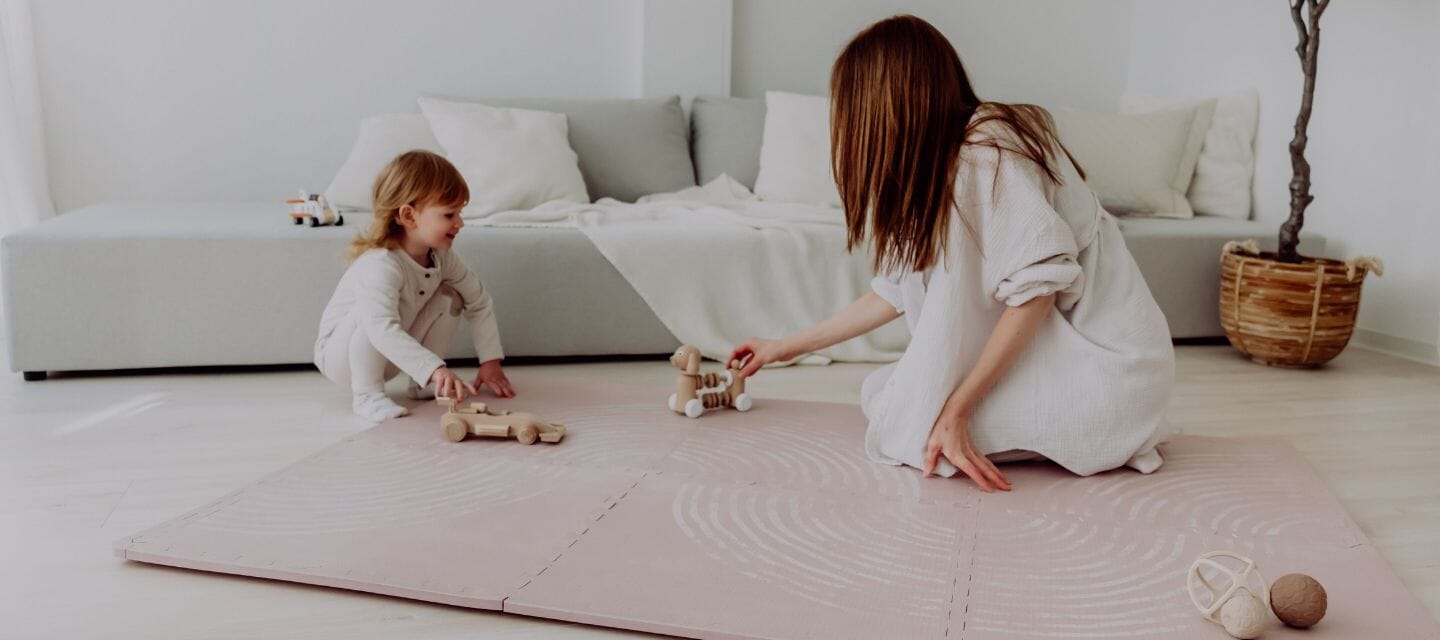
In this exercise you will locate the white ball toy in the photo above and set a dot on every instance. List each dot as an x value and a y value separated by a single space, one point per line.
1243 616
1223 587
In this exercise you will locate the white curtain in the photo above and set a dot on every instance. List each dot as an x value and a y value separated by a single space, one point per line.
24 187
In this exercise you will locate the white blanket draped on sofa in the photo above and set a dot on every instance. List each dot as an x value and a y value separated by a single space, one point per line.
716 265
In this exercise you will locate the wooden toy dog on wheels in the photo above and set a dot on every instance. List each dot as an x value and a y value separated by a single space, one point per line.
696 392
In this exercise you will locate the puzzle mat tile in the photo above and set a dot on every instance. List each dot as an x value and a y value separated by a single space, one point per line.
772 524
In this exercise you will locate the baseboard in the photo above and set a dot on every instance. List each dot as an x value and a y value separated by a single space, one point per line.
1397 346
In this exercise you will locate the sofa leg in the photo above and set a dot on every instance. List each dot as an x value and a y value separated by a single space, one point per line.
35 376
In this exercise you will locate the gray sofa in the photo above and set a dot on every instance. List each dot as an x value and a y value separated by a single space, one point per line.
128 285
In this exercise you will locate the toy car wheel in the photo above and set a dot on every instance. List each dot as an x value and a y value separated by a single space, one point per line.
299 220
694 408
671 402
455 429
314 221
339 220
743 402
528 434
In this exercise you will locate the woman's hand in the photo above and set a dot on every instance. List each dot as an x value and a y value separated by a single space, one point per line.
493 378
862 316
950 437
449 385
760 352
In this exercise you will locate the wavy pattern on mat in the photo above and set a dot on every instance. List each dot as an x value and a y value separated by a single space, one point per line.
611 436
1232 493
782 452
1047 578
825 551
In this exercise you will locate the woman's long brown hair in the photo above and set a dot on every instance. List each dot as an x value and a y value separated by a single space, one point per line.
901 107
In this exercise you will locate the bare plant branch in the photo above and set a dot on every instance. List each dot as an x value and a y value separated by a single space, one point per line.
1308 50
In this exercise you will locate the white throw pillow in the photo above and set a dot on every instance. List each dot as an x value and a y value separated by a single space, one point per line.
1139 164
1226 168
795 151
511 158
381 139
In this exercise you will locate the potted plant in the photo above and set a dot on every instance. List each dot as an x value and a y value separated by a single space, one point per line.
1282 308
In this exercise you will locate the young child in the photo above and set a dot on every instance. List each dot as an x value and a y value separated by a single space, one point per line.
398 304
1032 331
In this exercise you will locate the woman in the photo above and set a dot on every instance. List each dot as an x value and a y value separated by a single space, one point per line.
1033 333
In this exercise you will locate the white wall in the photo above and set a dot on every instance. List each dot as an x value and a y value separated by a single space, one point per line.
1051 52
1374 139
685 48
170 99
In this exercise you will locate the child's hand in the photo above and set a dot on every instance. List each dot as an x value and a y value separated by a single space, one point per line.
492 377
449 385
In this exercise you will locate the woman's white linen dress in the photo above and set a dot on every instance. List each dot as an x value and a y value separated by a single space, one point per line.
1090 390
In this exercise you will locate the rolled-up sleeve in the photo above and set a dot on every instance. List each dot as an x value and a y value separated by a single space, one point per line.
888 288
1030 251
1059 274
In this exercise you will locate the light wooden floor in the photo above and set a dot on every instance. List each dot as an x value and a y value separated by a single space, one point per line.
85 460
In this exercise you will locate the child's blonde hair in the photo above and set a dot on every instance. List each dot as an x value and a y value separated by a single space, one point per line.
417 178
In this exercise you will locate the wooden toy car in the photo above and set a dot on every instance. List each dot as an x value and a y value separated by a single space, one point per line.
480 420
315 208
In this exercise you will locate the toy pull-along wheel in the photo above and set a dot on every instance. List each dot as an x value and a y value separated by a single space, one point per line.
455 429
743 402
528 434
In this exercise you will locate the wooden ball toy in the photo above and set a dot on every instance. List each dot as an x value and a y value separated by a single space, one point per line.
1228 589
1298 600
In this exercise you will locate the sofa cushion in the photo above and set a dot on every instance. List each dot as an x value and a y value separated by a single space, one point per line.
795 151
381 138
1226 166
1138 164
627 147
725 137
511 158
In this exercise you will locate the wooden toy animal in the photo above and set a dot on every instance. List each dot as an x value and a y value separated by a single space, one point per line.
696 392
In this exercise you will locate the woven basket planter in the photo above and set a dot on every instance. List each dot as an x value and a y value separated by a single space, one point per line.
1289 315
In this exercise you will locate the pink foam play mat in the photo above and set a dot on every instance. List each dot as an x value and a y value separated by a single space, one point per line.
773 524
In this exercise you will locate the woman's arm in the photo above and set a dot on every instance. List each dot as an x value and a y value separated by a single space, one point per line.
950 436
862 316
1017 325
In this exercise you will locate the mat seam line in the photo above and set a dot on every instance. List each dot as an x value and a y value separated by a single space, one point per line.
969 577
578 536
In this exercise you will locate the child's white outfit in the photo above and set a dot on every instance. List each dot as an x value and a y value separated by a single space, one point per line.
1091 389
390 314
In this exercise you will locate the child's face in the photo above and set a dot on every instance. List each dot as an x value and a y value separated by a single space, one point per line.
433 225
